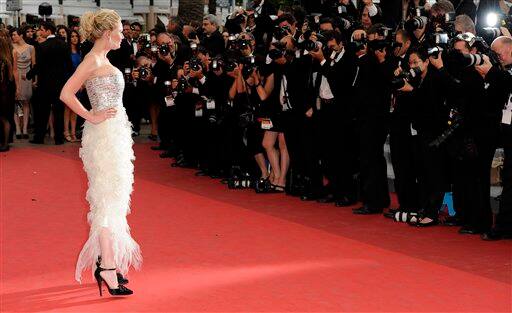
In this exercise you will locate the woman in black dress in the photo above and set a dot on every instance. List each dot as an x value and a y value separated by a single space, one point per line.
7 92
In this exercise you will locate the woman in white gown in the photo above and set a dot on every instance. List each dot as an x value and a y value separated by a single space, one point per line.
107 155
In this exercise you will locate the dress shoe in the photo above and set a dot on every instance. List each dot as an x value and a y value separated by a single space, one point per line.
428 224
202 173
166 155
308 197
18 136
364 210
327 199
59 142
467 230
344 202
494 235
4 148
36 142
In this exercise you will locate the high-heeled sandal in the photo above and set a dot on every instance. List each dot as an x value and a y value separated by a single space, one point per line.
120 279
120 291
74 139
68 138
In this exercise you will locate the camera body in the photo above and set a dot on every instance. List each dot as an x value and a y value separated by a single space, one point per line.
195 64
412 76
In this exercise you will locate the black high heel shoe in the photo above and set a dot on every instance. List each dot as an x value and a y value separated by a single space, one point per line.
120 279
121 291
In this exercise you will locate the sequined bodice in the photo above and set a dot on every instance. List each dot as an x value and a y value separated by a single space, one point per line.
105 91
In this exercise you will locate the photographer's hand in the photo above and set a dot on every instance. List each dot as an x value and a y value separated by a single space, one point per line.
484 68
437 62
407 87
358 34
309 113
317 55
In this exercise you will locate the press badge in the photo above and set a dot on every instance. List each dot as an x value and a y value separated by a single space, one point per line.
266 124
507 112
507 117
414 132
169 101
210 104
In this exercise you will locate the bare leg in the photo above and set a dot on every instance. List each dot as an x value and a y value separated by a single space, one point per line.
26 115
153 113
17 123
66 122
269 140
50 124
73 117
107 258
260 160
285 160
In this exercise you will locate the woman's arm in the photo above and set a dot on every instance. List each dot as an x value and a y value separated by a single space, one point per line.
68 93
264 91
15 71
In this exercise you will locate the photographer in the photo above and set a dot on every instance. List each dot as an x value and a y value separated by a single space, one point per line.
139 91
499 94
248 92
212 39
473 143
402 140
333 85
165 72
430 116
373 94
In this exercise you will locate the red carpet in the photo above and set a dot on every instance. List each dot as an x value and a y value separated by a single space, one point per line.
209 249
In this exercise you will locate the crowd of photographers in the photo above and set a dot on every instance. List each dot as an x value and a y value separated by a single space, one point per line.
288 101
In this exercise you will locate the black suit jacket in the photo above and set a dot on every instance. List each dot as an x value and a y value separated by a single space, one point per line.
121 58
340 77
53 66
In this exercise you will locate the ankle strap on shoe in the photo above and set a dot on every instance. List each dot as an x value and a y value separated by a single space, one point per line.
101 269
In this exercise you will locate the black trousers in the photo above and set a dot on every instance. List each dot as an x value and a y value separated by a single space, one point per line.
49 102
373 131
504 217
299 132
433 176
405 158
471 185
338 150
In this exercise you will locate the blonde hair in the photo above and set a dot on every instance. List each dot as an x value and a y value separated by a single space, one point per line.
94 24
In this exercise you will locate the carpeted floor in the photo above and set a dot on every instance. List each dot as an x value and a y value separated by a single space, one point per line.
209 249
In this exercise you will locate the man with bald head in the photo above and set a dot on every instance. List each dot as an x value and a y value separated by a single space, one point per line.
500 104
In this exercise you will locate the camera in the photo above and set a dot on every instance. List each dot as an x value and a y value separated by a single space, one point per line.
417 22
275 54
144 41
192 35
182 85
164 49
230 65
144 72
249 66
282 32
412 77
195 64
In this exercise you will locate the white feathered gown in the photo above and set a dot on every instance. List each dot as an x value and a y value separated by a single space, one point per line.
108 156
